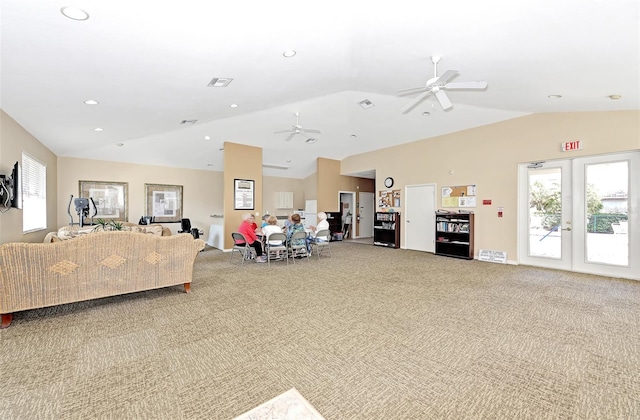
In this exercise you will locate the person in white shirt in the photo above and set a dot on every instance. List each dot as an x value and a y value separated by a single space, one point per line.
322 225
272 227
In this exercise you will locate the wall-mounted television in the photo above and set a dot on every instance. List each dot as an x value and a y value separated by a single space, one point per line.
16 191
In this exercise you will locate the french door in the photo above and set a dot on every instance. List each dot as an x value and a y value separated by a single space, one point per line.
581 214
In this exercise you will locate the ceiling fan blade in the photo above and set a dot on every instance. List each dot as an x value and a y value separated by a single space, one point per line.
290 136
411 90
466 85
284 131
311 130
444 78
443 99
415 102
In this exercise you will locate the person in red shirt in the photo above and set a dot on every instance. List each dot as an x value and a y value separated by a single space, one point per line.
248 229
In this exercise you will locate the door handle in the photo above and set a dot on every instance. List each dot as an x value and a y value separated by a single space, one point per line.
566 228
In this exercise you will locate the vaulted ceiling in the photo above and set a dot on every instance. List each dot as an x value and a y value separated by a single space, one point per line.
148 65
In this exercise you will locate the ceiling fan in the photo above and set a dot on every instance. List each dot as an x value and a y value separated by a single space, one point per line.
297 129
436 86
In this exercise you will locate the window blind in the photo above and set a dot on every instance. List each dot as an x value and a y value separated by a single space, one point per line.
34 194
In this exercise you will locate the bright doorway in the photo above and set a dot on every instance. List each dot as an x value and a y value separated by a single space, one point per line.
577 214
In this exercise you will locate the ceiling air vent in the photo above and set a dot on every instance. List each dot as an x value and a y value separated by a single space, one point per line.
366 104
219 82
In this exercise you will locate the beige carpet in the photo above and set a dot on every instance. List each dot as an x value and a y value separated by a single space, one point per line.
369 333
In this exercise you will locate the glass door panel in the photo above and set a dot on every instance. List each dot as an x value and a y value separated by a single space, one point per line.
545 210
545 214
607 213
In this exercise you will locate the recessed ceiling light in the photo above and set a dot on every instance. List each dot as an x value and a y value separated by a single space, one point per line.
426 113
312 140
555 96
288 160
615 97
120 144
289 53
209 164
207 137
233 105
353 136
219 82
74 13
366 104
98 129
221 149
91 102
183 122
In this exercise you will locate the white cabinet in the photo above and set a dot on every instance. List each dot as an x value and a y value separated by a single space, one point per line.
284 200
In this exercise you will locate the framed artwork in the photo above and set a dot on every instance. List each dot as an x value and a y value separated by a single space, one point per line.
163 202
243 194
110 198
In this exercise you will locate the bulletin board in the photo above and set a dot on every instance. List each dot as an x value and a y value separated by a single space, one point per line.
459 196
389 198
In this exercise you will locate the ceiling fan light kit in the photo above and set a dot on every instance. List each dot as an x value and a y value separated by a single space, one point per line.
436 85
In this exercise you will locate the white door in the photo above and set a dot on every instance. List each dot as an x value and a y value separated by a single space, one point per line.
367 212
419 218
581 214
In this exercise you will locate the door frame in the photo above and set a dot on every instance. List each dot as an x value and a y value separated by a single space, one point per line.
576 238
353 209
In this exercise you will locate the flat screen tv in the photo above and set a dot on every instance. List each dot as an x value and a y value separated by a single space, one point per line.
16 191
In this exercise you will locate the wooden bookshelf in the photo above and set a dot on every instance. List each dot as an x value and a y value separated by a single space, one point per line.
454 235
386 230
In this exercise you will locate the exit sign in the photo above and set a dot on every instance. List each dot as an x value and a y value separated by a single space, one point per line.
568 146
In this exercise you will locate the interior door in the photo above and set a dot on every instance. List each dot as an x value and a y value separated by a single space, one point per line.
581 214
367 211
419 221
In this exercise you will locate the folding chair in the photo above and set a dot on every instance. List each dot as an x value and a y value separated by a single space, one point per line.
241 245
273 249
321 242
298 244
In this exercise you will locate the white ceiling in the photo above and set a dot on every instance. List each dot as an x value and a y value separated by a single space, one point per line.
148 63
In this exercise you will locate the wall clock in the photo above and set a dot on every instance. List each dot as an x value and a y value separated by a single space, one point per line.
388 182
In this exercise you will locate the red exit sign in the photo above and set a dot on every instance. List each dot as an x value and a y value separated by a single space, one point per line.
568 146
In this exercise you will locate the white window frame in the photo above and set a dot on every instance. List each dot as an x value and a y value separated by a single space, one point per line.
34 194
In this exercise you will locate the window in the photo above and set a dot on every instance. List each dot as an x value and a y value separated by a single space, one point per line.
34 194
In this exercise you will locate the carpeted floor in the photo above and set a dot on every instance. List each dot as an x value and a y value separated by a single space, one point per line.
368 333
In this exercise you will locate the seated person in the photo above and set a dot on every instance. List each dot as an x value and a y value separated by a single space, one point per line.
322 224
248 230
265 221
296 226
272 227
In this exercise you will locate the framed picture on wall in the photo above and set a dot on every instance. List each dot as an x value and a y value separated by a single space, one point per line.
110 198
163 202
243 194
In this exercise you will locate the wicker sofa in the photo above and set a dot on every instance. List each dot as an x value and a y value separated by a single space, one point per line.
37 275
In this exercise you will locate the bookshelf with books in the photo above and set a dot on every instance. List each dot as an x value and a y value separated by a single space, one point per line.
386 230
454 235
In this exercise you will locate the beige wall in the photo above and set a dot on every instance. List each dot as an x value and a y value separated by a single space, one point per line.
273 185
488 156
201 190
13 141
240 162
330 183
